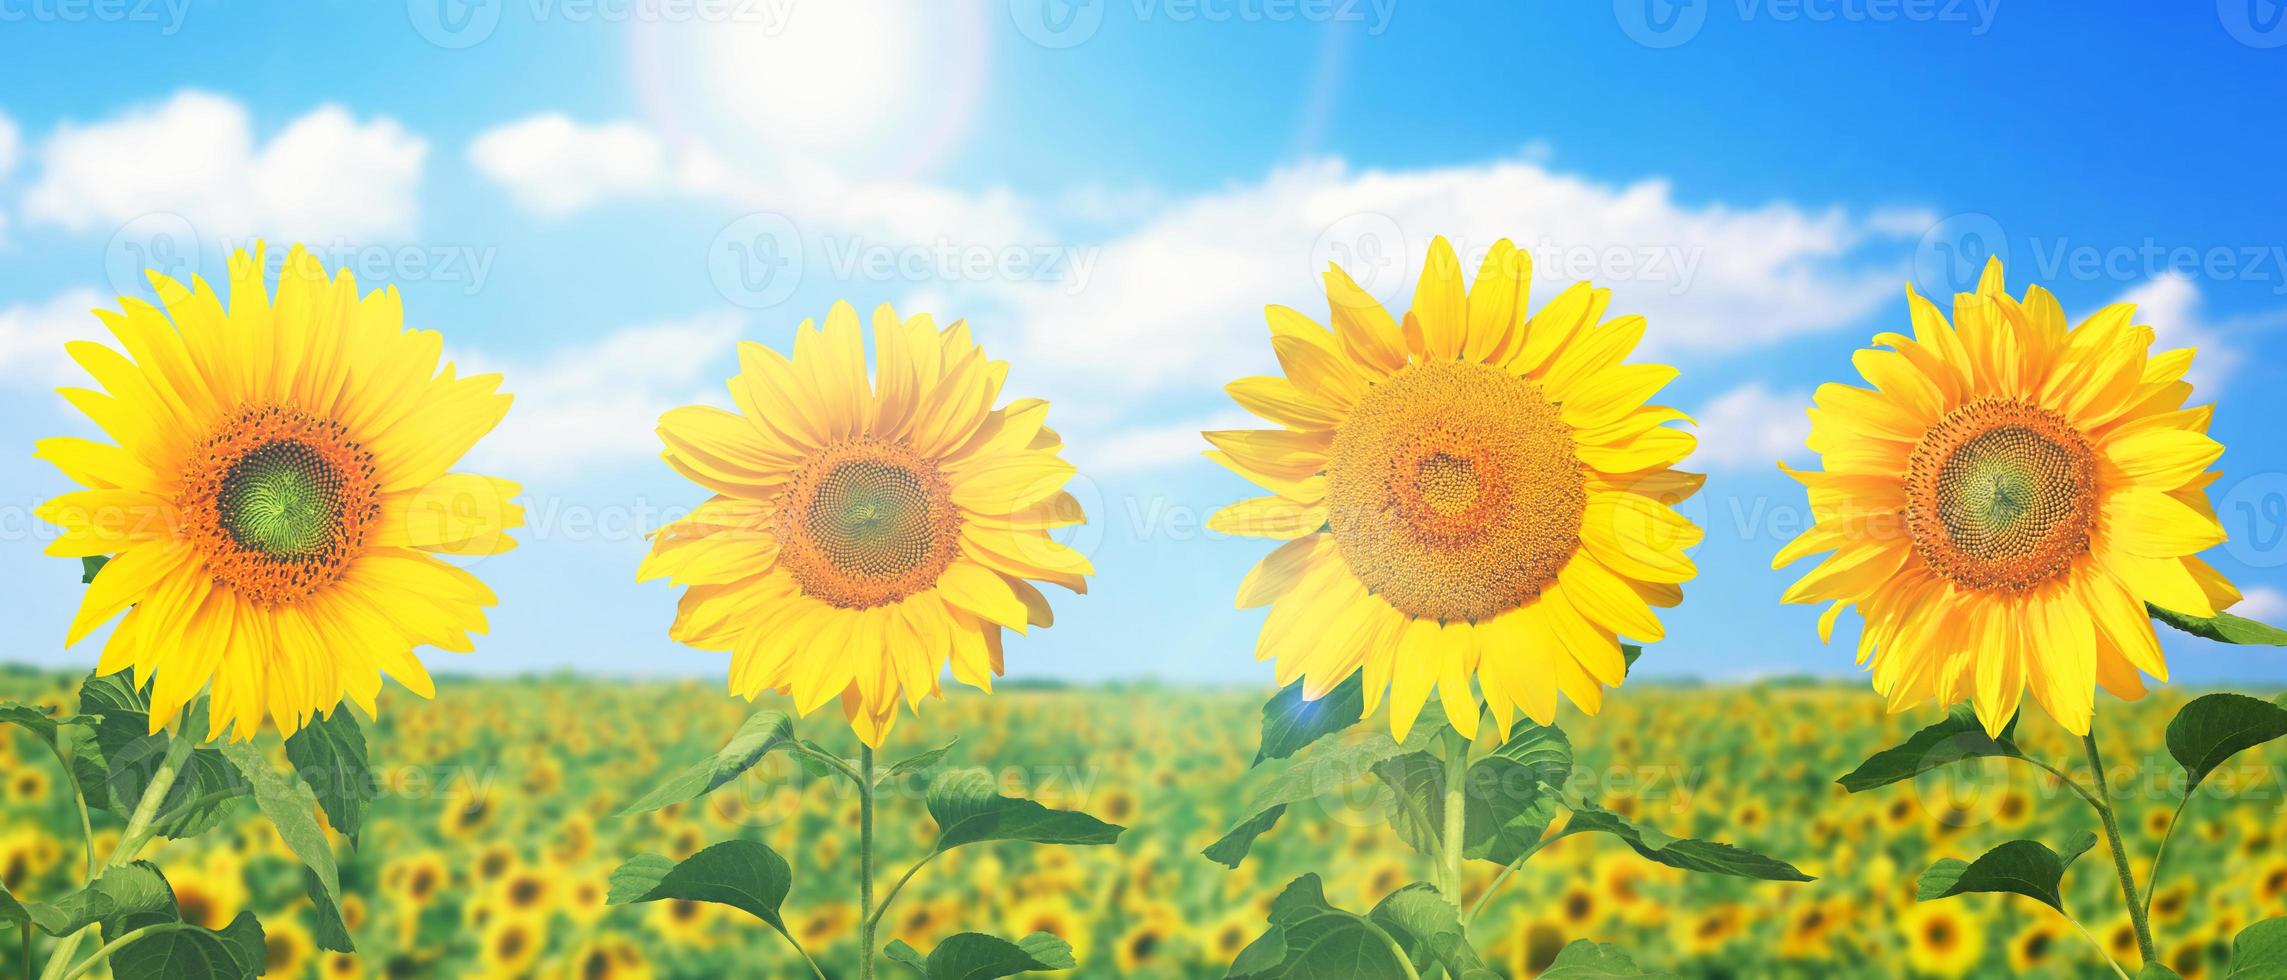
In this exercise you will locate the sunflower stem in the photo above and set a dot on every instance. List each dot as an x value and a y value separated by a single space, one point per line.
2152 886
866 921
2101 952
1456 812
131 840
2136 913
104 952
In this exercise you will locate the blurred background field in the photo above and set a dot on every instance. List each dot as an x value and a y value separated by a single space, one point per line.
488 851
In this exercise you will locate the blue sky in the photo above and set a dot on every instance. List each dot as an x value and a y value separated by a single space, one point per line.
597 197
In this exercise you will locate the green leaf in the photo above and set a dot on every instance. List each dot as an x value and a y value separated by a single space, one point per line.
817 768
89 565
2223 627
12 912
1543 750
976 956
1417 798
764 733
1509 810
1585 960
130 889
1310 939
329 755
2259 952
2019 867
1232 848
968 811
1960 737
1291 723
912 766
36 720
2215 727
237 952
1629 652
293 809
332 931
743 874
1707 857
1428 928
115 758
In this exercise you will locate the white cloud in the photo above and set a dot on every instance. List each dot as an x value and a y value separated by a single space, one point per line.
11 144
2262 603
2172 306
1752 428
599 403
32 339
1152 447
1180 299
555 166
325 177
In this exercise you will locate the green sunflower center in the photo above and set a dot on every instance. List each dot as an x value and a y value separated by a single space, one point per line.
2002 496
872 519
283 500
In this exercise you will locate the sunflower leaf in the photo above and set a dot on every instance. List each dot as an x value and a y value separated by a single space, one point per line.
2018 867
911 766
2215 727
130 889
293 809
1586 960
1417 796
1310 938
1958 738
1291 723
329 754
1689 854
39 722
332 931
115 758
12 912
1231 848
2259 951
1510 807
762 734
1428 928
976 956
237 951
968 811
743 874
2222 627
89 565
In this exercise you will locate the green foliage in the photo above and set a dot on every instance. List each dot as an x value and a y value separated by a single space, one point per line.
1958 738
2215 727
743 874
128 890
968 811
2019 867
41 724
915 765
1310 939
1707 857
1291 723
1585 960
763 733
2223 627
293 809
1428 928
976 956
114 760
329 755
2259 952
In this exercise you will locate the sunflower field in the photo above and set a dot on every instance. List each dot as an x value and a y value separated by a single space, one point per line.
493 835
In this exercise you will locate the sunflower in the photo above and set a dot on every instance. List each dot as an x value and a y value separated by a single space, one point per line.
1942 941
2005 500
2035 947
287 949
1471 493
864 533
275 496
511 945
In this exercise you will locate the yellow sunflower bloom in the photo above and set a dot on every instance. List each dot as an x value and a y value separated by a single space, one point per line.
275 495
1471 493
2003 502
863 535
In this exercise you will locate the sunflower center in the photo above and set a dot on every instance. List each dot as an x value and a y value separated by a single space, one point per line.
1453 491
868 522
2001 496
278 502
